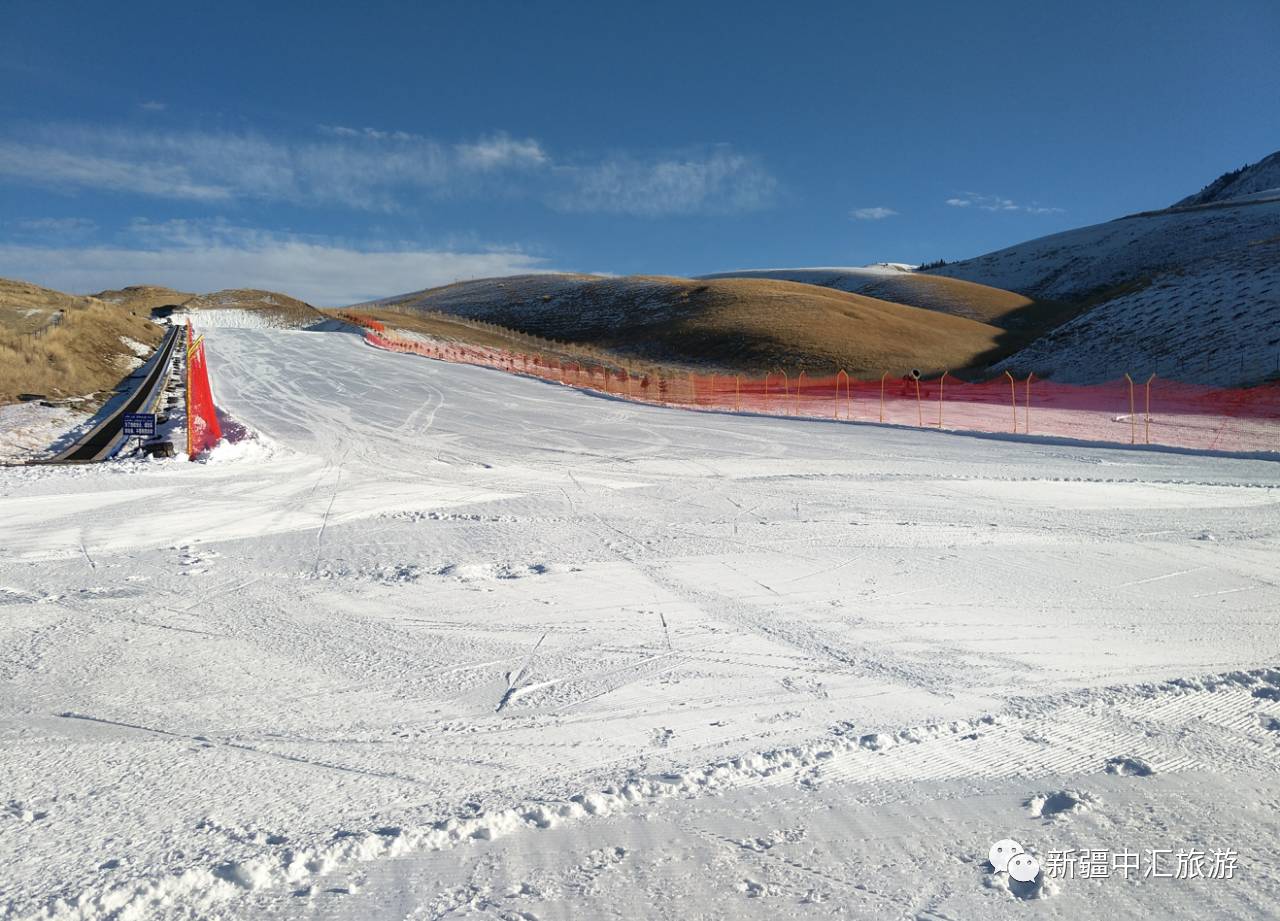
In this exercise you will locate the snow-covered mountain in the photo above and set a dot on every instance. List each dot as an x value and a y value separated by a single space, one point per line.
1191 292
1259 179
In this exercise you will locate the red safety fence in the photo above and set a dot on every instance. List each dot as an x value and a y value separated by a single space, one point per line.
360 319
203 430
1148 411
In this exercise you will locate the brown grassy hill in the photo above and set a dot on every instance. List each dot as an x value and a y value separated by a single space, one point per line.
734 324
251 307
26 308
63 345
1008 310
445 327
144 297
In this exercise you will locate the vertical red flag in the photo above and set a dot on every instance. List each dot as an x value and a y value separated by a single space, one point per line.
203 431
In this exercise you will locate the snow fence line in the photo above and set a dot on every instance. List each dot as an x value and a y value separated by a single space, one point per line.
1127 411
203 429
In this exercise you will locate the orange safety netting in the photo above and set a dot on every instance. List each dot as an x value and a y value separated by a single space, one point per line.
1151 411
203 429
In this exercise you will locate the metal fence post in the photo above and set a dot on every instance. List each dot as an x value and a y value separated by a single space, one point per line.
1028 419
1148 409
1133 421
1013 392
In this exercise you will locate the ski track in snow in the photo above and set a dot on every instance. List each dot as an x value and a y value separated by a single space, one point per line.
442 642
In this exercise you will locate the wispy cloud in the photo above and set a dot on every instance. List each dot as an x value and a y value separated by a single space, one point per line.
78 169
721 182
374 134
872 214
207 256
153 105
378 170
997 203
500 151
55 226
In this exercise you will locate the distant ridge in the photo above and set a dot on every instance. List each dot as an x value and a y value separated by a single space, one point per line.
746 324
1247 181
1190 292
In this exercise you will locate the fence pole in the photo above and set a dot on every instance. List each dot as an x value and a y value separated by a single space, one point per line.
841 374
1133 422
799 381
1013 392
1148 411
786 387
737 393
766 393
1028 420
919 406
882 377
942 383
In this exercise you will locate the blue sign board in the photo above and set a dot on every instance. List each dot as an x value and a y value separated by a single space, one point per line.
139 425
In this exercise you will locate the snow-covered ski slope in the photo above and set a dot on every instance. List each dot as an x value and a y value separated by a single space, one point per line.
443 642
1192 294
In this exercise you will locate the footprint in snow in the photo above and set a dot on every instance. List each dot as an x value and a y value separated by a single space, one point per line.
24 813
1059 804
1129 766
661 737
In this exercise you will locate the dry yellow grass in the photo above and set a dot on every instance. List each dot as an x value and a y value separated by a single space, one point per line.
445 328
76 348
756 324
751 325
144 297
26 308
1023 317
948 295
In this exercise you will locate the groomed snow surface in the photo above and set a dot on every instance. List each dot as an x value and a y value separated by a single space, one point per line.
433 641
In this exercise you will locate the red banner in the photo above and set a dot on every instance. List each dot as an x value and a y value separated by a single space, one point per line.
203 431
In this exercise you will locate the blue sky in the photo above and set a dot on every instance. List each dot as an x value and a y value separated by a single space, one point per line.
346 151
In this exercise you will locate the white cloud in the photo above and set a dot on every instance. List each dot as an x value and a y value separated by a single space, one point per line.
997 203
152 105
717 183
194 256
51 166
501 151
872 214
370 133
56 226
376 170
